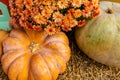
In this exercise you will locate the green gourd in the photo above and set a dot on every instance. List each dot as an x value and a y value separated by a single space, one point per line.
100 37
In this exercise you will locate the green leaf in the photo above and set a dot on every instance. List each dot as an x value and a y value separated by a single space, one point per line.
4 18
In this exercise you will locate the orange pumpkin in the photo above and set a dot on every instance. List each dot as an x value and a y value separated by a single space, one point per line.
30 55
3 35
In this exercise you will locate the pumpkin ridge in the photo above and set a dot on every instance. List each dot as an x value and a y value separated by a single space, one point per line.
23 71
30 74
59 38
11 65
17 77
44 38
33 75
59 65
54 41
44 63
29 71
47 66
66 60
33 36
5 44
52 60
59 53
63 56
10 51
55 51
16 32
16 38
25 67
29 67
4 57
14 61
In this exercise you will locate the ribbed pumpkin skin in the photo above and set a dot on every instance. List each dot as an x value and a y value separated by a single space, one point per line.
100 37
23 59
3 35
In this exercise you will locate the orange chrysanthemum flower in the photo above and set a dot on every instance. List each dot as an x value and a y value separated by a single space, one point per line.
52 15
50 30
71 11
46 2
66 28
28 3
86 13
57 16
65 23
47 12
77 13
77 3
96 11
13 12
81 23
73 23
38 28
39 19
62 3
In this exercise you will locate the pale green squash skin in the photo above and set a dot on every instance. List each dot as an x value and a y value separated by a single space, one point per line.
100 37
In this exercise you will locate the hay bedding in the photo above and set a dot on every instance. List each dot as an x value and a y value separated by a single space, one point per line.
80 67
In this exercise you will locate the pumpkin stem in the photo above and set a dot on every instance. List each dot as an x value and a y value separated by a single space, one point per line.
109 11
34 46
